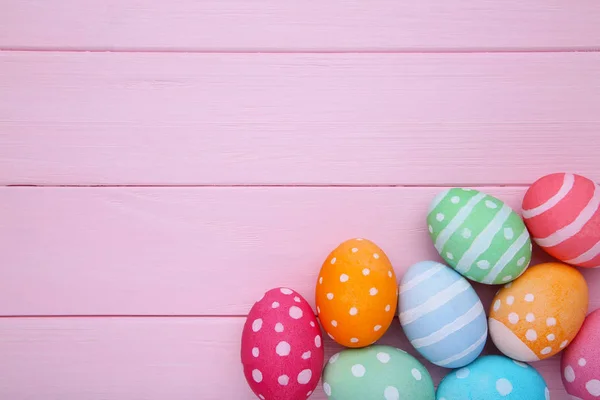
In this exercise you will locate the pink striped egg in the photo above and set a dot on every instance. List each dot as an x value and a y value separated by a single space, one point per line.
580 362
562 213
282 347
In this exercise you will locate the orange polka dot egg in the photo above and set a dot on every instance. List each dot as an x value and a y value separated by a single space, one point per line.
540 313
356 293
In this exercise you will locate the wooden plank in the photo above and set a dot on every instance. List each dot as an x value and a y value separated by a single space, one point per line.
195 251
150 359
273 119
270 25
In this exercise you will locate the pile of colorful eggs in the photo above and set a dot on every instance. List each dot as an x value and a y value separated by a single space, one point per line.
539 310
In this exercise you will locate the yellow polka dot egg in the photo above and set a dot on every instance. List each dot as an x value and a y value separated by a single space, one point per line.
540 313
356 293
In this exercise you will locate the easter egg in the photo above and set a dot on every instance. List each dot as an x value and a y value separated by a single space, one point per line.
356 293
539 314
562 213
494 377
441 314
580 361
282 347
479 235
376 373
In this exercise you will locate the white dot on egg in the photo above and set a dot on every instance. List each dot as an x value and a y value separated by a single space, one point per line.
507 278
306 355
353 311
551 321
449 255
297 299
463 373
430 229
440 217
318 341
531 335
376 256
582 362
334 323
344 278
483 264
320 280
333 260
521 261
383 357
376 328
455 199
255 352
387 308
416 374
529 297
510 300
327 388
257 324
569 374
334 358
330 296
564 344
312 324
490 204
257 376
551 337
497 305
295 312
283 348
366 271
358 370
391 393
373 291
530 317
508 233
466 233
304 376
513 318
279 327
504 387
354 340
286 291
593 387
283 380
546 350
354 250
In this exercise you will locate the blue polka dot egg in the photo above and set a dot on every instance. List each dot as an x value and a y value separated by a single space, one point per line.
494 377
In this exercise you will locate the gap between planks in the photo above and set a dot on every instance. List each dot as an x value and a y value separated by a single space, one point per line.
300 51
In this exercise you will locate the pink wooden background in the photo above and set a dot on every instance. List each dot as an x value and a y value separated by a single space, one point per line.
163 163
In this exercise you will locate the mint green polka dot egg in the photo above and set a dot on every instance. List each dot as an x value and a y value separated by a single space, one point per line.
376 372
479 236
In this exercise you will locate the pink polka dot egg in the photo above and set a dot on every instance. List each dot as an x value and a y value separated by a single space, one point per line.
580 362
282 347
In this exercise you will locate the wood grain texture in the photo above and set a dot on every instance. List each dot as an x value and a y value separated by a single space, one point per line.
320 119
151 359
293 25
195 251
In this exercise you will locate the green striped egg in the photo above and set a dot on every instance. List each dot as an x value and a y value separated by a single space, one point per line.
479 236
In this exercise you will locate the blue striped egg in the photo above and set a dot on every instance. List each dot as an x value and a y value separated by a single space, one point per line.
441 314
494 377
